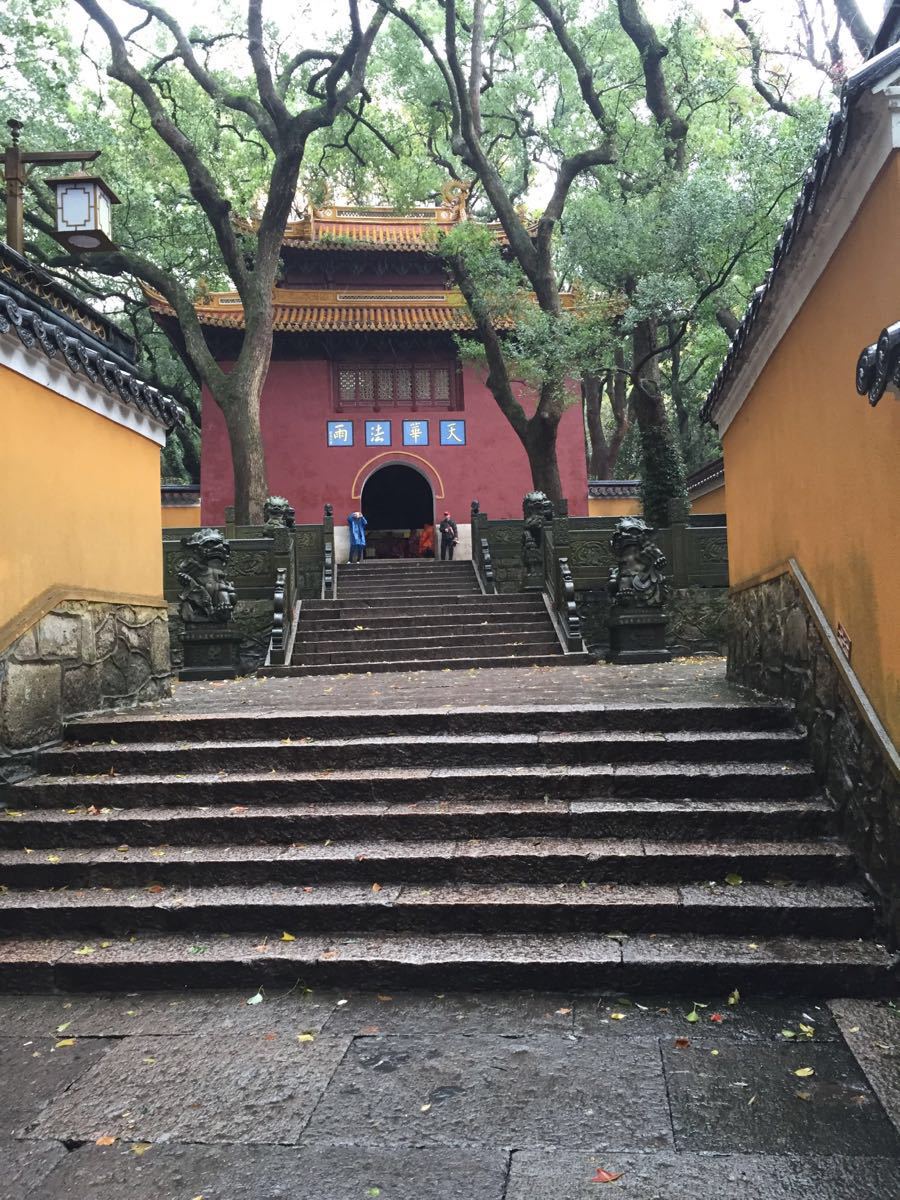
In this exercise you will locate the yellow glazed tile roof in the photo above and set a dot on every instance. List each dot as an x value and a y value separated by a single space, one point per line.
310 311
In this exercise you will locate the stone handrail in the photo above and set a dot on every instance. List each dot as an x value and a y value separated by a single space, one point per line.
559 586
329 571
481 552
284 594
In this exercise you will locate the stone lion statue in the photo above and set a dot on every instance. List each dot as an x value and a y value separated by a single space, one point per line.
536 509
278 513
637 580
207 596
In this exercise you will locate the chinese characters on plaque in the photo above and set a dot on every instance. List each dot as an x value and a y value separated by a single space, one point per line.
453 433
340 433
378 433
415 433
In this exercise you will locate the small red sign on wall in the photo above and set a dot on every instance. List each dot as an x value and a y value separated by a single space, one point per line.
844 642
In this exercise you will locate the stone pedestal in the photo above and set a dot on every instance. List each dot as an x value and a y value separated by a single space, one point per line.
637 635
210 653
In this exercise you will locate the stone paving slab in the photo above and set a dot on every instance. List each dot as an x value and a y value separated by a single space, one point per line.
231 1089
24 1166
700 680
424 1014
423 1096
569 1176
750 1100
666 1018
180 1172
166 1013
33 1071
494 1091
871 1029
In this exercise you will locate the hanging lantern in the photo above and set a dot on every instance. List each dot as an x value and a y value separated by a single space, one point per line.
83 212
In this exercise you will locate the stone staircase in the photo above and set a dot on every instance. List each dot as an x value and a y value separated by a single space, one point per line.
670 847
420 614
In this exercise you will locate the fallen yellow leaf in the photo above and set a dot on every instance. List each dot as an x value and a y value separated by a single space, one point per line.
805 1072
141 1147
64 1042
617 1016
306 1037
288 937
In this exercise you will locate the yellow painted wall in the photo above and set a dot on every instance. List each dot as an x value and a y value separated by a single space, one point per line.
604 506
813 471
711 503
80 502
180 516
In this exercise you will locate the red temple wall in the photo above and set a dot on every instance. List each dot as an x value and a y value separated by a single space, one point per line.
296 406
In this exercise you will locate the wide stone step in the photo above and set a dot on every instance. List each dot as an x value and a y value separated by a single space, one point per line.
336 753
660 717
411 590
693 964
489 860
674 820
377 665
323 625
445 654
378 639
460 604
403 566
660 780
754 909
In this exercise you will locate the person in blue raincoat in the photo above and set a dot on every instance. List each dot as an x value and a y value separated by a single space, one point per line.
357 523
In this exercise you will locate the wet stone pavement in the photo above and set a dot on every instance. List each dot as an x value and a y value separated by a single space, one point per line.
416 1096
700 680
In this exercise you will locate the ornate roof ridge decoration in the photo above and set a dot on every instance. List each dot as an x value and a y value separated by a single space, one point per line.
613 489
387 310
878 367
831 148
715 469
381 227
33 331
34 281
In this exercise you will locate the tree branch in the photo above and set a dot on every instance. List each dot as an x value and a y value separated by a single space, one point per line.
198 72
652 52
203 186
768 94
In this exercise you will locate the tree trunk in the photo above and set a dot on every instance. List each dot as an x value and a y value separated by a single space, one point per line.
682 416
617 389
540 446
592 395
248 460
662 478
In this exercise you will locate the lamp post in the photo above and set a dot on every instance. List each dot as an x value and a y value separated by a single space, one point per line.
82 201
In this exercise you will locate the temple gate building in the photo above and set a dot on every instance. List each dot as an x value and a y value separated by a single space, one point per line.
368 404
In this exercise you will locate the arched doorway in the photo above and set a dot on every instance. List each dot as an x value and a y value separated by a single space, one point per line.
396 501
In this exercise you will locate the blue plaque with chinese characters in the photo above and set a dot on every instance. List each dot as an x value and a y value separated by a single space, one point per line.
415 433
340 433
378 433
453 433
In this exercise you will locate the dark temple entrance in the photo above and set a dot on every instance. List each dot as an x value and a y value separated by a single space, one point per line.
397 502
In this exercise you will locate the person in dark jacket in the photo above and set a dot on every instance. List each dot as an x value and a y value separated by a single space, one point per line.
449 536
357 523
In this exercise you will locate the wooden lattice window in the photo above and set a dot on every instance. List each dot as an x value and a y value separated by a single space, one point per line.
416 388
